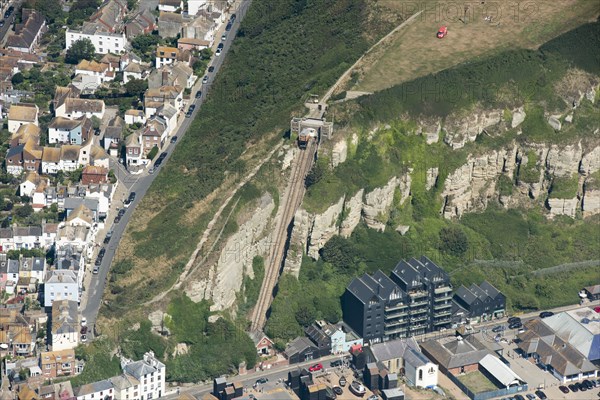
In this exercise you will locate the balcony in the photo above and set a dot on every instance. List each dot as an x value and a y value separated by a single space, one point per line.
443 314
442 289
418 303
441 306
395 330
417 294
396 307
414 328
395 322
441 321
443 297
396 314
417 319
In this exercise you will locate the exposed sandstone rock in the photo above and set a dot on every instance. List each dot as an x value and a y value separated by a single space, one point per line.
566 207
590 162
563 160
235 259
432 176
324 226
555 123
289 155
591 203
378 202
298 242
352 213
339 153
402 229
518 116
460 130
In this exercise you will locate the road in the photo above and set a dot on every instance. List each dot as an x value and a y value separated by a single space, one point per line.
8 22
276 376
140 184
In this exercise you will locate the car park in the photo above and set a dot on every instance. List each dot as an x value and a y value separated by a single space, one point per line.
316 367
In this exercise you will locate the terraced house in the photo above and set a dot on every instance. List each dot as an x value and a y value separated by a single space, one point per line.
414 299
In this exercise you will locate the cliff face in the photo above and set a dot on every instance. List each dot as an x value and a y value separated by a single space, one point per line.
224 279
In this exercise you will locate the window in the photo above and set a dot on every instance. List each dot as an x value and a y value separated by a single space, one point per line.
420 374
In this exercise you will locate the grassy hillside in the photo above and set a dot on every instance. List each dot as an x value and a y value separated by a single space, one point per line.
514 25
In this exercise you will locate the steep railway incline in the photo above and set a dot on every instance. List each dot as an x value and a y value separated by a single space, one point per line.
291 201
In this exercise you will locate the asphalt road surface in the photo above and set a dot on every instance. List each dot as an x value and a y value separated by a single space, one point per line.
140 184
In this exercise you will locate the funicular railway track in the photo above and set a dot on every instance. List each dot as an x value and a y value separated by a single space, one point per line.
292 199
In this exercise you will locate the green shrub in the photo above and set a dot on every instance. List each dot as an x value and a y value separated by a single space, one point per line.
152 153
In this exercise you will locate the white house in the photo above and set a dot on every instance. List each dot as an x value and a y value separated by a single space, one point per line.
170 5
69 131
51 160
135 116
195 5
22 114
69 157
95 391
133 71
65 325
419 371
30 182
140 380
74 108
104 42
166 55
61 285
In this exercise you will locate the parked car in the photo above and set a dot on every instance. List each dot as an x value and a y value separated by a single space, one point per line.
336 363
107 237
342 381
151 170
96 270
563 389
173 139
373 397
163 155
581 387
224 36
515 325
498 328
513 320
98 262
1 23
199 94
519 397
541 395
228 27
220 46
442 32
316 367
573 388
260 381
211 69
588 384
102 252
117 219
232 18
205 79
338 390
530 396
218 52
546 314
121 212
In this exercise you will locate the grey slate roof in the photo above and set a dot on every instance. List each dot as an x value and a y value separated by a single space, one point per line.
415 358
489 289
392 349
453 353
94 387
466 295
298 345
139 369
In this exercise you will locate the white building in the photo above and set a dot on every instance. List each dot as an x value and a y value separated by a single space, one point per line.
104 42
195 5
74 108
95 391
22 114
140 380
135 116
419 371
65 325
61 285
170 5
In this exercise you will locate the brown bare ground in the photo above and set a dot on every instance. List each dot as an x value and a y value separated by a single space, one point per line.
415 51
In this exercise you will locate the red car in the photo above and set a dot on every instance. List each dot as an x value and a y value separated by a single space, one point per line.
442 32
597 309
316 367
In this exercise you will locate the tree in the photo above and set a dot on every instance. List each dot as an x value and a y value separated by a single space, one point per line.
17 78
144 44
25 211
136 87
339 252
453 241
82 49
314 175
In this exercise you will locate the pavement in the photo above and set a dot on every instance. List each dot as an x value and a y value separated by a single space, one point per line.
96 284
